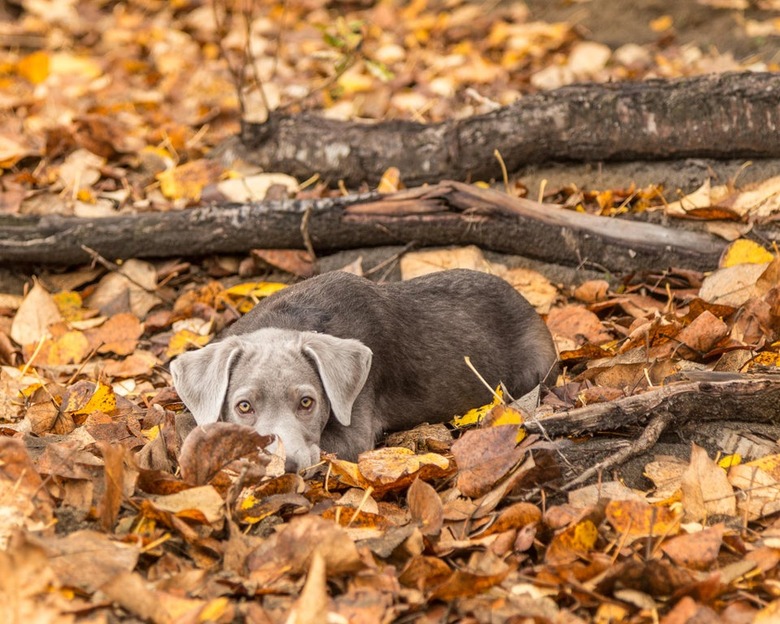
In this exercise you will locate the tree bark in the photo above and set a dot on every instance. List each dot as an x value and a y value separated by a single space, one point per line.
733 115
450 213
719 397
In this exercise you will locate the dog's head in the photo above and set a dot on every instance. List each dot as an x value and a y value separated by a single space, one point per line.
282 382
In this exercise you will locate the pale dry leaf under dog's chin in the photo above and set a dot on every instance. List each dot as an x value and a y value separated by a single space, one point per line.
210 448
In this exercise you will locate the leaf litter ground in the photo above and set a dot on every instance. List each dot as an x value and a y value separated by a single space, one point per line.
108 511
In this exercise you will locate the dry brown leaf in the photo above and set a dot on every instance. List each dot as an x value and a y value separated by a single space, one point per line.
697 551
26 584
111 500
694 340
425 507
208 449
129 590
204 499
484 456
705 489
417 263
33 318
634 519
87 560
534 286
24 502
294 261
578 324
294 545
137 364
592 291
118 335
312 605
394 468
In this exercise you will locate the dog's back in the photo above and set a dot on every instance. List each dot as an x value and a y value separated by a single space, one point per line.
419 331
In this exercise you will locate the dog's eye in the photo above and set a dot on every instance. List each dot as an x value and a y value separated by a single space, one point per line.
244 407
307 403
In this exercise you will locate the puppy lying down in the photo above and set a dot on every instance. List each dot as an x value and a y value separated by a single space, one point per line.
335 361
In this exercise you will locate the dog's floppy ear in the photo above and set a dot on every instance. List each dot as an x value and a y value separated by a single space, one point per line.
201 379
343 365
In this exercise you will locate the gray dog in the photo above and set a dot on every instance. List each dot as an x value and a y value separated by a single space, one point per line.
335 361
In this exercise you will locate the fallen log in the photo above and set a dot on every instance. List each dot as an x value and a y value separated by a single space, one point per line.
450 213
733 115
717 397
700 407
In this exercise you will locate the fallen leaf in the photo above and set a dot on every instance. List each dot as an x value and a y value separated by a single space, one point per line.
311 607
578 324
390 181
634 519
484 456
393 468
244 296
87 560
705 489
187 181
293 547
744 251
84 397
732 286
33 318
696 551
255 187
24 502
204 499
417 263
209 448
294 261
119 334
425 507
572 543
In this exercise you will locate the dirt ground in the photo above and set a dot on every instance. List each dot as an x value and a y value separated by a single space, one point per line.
619 23
615 23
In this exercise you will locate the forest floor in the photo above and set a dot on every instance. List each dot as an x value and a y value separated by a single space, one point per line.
113 109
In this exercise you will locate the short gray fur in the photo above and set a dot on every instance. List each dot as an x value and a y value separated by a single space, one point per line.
374 358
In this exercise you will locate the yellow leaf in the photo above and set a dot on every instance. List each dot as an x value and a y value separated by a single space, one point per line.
730 460
475 415
744 251
34 67
391 181
353 81
83 399
763 360
245 296
505 415
661 24
70 348
184 339
214 610
348 473
770 464
69 304
65 63
573 543
151 433
187 181
86 196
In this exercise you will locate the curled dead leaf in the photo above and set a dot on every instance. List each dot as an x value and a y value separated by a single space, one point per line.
208 449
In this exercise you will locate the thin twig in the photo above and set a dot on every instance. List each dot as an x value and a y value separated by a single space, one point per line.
645 441
482 379
306 235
